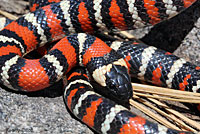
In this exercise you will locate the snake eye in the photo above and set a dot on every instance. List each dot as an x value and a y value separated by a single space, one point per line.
111 85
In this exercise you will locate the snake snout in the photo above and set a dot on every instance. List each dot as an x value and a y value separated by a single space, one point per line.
119 83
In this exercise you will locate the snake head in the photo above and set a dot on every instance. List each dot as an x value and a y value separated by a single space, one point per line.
115 80
119 83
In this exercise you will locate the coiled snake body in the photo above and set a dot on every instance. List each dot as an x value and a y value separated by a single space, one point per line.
109 64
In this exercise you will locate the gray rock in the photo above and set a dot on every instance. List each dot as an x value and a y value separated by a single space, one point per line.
190 47
23 114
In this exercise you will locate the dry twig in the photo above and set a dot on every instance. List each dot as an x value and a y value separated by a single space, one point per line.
152 93
8 15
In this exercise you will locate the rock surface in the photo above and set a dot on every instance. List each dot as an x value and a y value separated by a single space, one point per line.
23 114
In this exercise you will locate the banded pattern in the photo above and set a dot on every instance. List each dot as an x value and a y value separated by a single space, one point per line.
4 22
102 114
108 67
143 12
54 21
158 66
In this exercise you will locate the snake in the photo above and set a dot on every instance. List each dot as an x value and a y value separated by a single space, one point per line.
111 64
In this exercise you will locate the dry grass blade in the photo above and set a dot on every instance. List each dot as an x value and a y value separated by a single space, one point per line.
153 115
168 94
127 35
190 100
174 118
8 15
184 118
165 93
152 93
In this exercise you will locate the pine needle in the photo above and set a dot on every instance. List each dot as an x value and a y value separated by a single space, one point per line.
8 15
165 93
156 94
153 115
